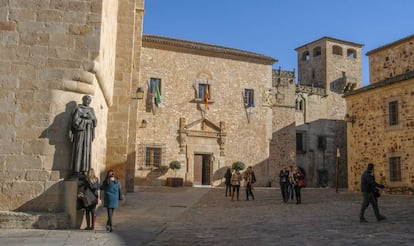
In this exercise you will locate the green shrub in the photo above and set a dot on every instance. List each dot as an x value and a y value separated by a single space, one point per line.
238 165
175 165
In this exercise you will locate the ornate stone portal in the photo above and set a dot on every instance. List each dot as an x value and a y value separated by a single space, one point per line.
208 130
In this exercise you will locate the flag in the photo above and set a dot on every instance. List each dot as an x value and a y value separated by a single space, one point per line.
157 96
206 96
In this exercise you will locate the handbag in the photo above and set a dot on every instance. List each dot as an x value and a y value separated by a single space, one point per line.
87 196
302 183
377 193
121 197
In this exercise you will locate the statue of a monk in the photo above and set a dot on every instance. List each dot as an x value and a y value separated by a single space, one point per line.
82 134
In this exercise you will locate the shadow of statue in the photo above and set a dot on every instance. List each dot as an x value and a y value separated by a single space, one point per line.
58 135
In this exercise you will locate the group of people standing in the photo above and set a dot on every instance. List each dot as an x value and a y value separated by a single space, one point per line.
111 188
291 182
235 179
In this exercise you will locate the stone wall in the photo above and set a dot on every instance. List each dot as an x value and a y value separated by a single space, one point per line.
123 114
371 139
51 55
283 143
391 60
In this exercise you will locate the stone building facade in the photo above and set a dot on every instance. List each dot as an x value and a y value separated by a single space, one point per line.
381 119
176 122
52 54
327 68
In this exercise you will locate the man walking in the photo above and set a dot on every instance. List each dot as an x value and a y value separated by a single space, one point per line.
368 186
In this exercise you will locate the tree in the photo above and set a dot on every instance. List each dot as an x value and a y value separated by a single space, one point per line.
175 165
238 165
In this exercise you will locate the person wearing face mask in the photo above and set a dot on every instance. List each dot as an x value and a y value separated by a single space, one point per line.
112 194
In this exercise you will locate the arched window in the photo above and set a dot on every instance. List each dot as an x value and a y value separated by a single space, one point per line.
305 56
337 50
299 104
317 51
351 53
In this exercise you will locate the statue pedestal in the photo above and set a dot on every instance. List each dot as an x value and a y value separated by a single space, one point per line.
71 203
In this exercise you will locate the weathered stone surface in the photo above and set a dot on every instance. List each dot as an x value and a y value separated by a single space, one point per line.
391 60
20 220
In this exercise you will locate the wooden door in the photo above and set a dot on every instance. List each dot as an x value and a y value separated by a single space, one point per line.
206 170
198 166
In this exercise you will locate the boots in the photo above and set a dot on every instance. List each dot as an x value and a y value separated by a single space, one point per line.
88 220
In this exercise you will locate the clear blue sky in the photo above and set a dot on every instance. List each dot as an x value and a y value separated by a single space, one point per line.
276 27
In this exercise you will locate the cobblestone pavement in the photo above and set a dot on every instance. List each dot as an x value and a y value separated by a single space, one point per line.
204 216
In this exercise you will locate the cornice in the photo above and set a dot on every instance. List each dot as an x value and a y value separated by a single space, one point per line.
159 42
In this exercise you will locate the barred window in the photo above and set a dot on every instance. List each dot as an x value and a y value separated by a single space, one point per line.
203 90
153 156
248 98
393 113
154 85
395 169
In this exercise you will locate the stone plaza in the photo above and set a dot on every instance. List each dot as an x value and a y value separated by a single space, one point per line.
204 216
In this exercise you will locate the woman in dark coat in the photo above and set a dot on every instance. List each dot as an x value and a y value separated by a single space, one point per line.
112 194
91 182
299 178
227 176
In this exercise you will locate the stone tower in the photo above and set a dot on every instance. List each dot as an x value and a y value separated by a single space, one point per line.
327 68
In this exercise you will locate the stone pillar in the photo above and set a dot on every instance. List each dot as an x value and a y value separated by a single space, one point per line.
71 203
122 120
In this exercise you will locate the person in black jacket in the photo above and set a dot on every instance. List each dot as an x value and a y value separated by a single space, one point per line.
227 176
284 182
368 187
91 182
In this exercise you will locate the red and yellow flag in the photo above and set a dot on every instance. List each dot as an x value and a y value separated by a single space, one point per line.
206 96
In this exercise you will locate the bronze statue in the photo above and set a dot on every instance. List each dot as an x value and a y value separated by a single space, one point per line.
82 134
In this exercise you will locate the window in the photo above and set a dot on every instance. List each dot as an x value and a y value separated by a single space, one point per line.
248 98
337 50
351 53
321 143
154 84
395 169
203 89
393 113
299 104
300 141
305 56
317 51
153 156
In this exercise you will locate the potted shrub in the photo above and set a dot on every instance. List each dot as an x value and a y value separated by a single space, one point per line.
175 182
238 165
